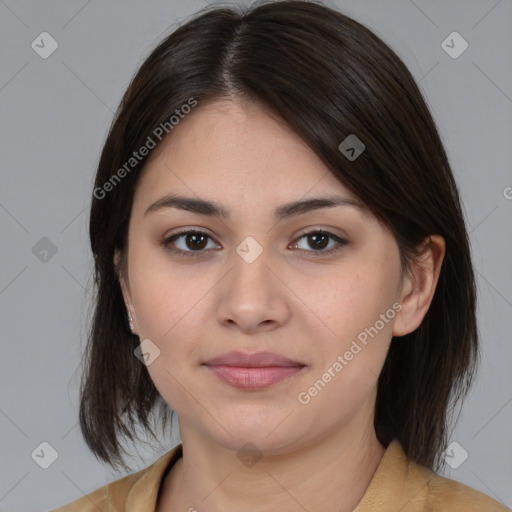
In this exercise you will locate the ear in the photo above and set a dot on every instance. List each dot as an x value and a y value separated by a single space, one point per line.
125 288
419 285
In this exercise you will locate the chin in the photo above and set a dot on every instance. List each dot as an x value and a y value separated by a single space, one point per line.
267 434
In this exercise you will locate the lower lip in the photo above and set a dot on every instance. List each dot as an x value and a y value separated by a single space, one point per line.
254 378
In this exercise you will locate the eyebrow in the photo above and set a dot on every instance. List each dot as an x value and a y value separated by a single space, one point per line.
211 208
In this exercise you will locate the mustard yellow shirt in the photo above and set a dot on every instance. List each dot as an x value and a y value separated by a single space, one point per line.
398 485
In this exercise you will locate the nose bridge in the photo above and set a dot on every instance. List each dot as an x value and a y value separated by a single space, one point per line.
251 261
251 295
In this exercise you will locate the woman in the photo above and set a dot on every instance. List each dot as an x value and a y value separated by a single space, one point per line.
275 214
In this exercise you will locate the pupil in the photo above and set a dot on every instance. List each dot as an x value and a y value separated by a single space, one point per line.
316 236
195 238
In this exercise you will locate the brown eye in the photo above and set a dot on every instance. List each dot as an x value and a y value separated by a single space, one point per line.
319 240
191 242
194 243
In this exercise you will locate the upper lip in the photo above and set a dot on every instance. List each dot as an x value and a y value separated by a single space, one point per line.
252 360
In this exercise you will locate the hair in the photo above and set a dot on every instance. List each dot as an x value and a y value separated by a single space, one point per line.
326 76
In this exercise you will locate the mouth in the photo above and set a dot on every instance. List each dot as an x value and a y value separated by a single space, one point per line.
253 371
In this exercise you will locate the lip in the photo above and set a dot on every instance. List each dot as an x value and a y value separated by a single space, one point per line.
252 360
253 371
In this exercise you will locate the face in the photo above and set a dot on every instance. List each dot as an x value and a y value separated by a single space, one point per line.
318 286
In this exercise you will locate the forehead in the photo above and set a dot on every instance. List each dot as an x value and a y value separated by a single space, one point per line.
236 150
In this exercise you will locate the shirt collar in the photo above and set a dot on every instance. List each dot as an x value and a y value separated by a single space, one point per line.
143 495
387 484
386 491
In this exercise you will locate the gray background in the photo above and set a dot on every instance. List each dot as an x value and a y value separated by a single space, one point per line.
55 114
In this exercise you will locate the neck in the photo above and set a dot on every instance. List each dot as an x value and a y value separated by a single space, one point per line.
331 474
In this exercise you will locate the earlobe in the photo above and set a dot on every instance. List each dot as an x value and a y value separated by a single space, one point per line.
420 285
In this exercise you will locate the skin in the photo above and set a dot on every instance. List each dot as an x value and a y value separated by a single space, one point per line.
291 300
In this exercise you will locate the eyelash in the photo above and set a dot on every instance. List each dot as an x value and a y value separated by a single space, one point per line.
340 242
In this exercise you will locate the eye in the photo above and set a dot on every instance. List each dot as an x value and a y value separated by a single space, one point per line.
190 239
318 240
193 242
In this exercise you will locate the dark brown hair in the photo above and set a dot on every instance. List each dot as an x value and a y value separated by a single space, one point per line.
327 76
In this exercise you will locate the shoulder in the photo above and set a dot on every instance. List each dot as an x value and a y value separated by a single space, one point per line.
400 484
138 491
447 495
112 495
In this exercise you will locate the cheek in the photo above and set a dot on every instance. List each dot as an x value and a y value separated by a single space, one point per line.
170 313
170 307
357 315
164 294
352 300
351 353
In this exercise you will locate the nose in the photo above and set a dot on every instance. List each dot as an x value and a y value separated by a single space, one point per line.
252 298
